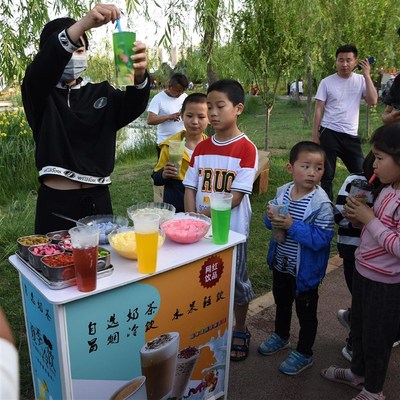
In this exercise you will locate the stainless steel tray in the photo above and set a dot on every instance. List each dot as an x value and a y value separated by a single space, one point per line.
101 273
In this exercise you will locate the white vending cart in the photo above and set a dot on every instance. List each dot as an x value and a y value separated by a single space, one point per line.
159 336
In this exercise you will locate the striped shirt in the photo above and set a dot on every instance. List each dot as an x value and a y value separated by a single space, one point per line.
286 252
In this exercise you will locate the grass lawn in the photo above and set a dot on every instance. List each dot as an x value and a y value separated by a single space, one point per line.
132 184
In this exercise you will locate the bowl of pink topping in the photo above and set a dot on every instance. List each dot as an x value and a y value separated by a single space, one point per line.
37 252
186 228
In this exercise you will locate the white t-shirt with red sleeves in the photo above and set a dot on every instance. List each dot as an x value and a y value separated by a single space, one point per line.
223 167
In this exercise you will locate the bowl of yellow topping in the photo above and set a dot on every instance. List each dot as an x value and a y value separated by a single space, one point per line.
123 241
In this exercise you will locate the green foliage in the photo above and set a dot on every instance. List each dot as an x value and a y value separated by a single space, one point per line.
101 65
17 167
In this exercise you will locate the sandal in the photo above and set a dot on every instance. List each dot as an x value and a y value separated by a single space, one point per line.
243 348
336 374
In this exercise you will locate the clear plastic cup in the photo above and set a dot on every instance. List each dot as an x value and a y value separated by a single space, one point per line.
176 148
221 205
85 242
362 191
146 232
123 43
278 234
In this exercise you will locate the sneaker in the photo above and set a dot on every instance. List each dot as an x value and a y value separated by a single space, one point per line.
295 363
347 353
365 395
272 345
344 318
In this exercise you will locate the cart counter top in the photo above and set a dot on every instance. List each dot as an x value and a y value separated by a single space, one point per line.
171 255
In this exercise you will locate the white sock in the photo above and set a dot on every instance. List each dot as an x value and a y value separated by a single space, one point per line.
351 376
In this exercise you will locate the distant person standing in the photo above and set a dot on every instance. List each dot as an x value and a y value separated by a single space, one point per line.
165 108
337 109
392 102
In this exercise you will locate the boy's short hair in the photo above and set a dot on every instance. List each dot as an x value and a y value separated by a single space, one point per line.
58 25
178 79
233 90
347 48
193 98
305 146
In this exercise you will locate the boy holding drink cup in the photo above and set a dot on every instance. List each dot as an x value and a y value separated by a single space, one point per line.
299 262
227 162
169 172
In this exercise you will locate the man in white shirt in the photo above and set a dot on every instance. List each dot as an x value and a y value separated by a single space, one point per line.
337 107
164 109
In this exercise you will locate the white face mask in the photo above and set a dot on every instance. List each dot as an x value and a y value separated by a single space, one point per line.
74 68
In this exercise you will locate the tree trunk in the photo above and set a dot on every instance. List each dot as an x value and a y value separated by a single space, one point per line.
307 115
267 118
210 26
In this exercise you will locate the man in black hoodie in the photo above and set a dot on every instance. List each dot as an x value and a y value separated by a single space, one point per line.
74 123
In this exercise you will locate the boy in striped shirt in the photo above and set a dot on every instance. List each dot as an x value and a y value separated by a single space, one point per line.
299 263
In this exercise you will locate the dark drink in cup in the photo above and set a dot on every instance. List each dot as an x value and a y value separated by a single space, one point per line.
85 260
362 191
187 359
84 242
158 359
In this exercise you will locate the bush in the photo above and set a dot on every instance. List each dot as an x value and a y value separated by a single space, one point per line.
17 165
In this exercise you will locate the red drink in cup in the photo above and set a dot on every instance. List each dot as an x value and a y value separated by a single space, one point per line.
85 241
85 260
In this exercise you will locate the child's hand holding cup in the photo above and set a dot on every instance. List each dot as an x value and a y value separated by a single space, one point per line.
274 211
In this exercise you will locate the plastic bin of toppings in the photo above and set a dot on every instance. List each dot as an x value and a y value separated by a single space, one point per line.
105 224
123 241
186 227
37 252
58 267
24 242
66 245
164 210
56 236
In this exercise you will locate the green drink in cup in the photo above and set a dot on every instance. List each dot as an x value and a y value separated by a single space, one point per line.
176 148
123 43
221 204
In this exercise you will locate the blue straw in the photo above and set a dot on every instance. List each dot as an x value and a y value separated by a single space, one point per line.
118 25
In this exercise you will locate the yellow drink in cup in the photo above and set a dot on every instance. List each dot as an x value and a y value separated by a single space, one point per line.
146 232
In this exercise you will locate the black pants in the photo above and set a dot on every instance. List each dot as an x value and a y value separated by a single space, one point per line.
375 322
344 146
284 290
76 204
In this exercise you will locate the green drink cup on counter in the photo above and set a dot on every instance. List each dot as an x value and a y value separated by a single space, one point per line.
123 43
221 204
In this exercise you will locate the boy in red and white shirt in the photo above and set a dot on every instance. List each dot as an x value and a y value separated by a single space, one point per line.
227 162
